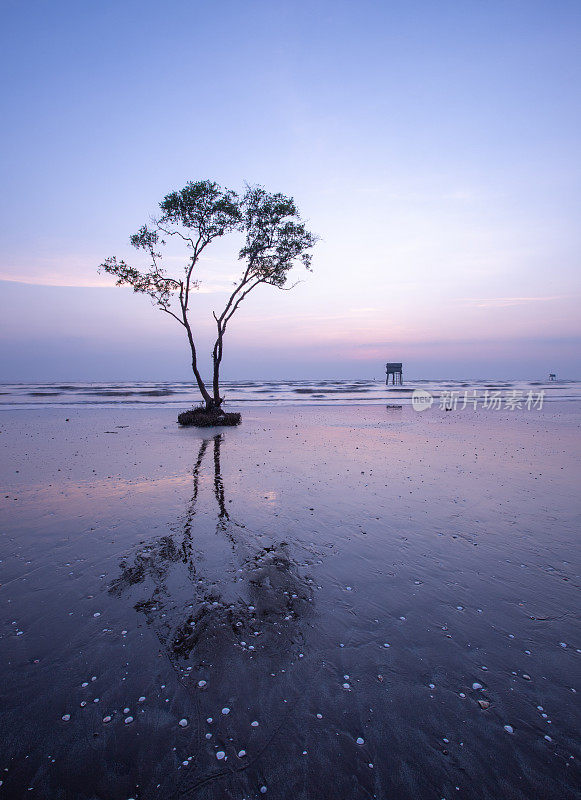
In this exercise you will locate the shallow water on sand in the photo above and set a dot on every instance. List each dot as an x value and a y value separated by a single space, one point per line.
354 580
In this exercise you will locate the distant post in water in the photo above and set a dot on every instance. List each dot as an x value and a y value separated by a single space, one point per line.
395 370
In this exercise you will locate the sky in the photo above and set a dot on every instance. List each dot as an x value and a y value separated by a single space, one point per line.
433 146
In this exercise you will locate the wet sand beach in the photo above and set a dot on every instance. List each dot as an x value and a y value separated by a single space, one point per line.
326 602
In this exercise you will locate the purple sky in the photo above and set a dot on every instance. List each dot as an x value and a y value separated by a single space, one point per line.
433 146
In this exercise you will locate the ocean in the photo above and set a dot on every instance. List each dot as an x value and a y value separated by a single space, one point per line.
184 394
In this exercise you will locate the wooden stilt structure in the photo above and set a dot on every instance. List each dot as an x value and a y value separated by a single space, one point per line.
396 372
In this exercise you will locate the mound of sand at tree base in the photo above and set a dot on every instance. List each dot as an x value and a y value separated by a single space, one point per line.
202 418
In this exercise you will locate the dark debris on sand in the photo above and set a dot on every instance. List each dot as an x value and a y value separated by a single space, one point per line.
204 418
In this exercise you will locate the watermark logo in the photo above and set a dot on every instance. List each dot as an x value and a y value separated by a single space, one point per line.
489 401
421 400
492 401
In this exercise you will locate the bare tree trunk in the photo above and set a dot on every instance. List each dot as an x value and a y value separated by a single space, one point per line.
217 358
201 386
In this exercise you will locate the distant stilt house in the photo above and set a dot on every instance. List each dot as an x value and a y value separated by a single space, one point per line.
396 372
552 376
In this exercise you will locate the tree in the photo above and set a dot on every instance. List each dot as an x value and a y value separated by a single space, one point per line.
275 240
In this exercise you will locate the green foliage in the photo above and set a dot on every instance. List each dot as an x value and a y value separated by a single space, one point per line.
275 236
204 207
153 283
197 214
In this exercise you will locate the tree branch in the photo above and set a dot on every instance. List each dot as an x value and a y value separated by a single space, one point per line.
175 316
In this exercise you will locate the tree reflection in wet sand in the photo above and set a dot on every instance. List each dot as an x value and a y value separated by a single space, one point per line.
228 610
203 601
